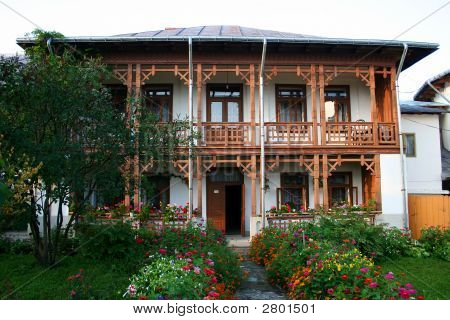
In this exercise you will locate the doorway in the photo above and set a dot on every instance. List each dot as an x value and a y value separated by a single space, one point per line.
233 207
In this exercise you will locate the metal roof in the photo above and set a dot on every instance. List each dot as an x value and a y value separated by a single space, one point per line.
420 107
232 33
432 79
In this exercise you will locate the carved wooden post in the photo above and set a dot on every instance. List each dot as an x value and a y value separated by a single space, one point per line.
313 104
199 184
136 174
316 176
322 105
325 181
394 104
253 177
252 103
127 172
199 130
373 105
377 181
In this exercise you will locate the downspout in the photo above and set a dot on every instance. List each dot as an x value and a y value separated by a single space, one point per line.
262 135
190 109
49 46
402 155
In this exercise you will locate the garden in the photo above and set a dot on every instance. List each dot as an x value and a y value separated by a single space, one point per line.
347 258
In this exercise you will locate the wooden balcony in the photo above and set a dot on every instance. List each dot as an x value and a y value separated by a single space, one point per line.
284 134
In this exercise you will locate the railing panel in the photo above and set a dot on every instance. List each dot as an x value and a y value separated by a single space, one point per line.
387 133
280 133
231 133
349 133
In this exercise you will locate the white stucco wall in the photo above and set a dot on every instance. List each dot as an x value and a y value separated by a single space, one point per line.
424 170
391 190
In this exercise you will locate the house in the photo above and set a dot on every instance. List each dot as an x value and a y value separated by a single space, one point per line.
328 108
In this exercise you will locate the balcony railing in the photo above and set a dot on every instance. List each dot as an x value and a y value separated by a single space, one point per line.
284 134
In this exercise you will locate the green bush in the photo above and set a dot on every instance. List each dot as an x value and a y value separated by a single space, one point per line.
436 241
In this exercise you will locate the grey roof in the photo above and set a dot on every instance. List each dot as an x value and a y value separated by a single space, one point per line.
232 33
423 107
445 160
432 79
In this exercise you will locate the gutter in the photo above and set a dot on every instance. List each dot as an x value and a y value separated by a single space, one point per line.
262 136
400 135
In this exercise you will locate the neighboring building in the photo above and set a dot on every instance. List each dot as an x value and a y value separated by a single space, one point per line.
422 145
426 93
330 112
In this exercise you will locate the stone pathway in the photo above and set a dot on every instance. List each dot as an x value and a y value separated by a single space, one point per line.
255 286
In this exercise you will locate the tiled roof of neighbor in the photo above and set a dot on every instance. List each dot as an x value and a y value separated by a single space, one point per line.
423 107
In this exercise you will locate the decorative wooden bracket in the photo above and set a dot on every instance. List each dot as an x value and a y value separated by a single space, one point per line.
182 166
306 75
208 164
121 75
245 75
334 163
307 163
364 75
245 165
208 74
183 74
146 167
147 73
273 163
271 74
369 164
330 75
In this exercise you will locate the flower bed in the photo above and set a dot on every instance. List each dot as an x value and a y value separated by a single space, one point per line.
189 263
333 259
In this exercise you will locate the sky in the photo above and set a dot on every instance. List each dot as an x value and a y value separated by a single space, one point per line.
369 19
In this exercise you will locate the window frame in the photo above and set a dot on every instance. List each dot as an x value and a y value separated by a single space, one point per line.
346 100
163 87
304 188
225 101
279 99
348 186
413 135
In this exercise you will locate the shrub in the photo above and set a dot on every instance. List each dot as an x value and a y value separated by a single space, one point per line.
346 275
436 241
265 244
80 290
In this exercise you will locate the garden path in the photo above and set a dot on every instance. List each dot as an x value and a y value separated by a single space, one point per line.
255 286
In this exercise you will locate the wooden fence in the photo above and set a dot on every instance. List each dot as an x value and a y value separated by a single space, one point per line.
428 210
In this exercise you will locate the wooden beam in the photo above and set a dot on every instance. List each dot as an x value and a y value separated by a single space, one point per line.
394 103
127 124
377 181
199 96
373 105
253 177
316 175
313 103
252 103
322 105
325 182
199 184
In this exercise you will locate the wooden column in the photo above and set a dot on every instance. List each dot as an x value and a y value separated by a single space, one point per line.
252 103
377 181
136 171
394 104
199 96
199 184
127 172
323 128
325 181
316 176
253 177
373 105
313 104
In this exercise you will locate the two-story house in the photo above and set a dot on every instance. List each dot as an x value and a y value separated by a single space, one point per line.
330 125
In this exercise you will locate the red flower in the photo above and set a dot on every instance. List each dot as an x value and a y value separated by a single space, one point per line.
143 298
419 297
344 277
162 251
209 272
186 268
214 280
139 240
213 294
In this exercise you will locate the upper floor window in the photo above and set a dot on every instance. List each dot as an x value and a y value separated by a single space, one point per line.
224 103
337 104
157 99
291 103
409 144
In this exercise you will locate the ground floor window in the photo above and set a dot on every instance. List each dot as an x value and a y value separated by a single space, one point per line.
293 191
340 189
156 191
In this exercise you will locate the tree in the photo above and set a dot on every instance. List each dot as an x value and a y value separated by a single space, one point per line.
55 111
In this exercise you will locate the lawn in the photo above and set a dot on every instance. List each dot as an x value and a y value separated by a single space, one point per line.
430 276
21 277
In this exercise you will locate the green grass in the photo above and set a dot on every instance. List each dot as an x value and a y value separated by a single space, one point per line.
21 277
430 276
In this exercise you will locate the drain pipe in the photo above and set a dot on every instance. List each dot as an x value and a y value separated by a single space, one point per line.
262 135
402 155
190 109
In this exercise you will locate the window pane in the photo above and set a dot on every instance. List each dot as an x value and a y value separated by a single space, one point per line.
338 195
225 91
216 111
293 179
410 145
293 197
233 112
291 111
165 112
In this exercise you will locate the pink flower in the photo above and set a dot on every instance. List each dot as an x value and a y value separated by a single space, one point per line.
409 286
214 280
162 251
213 294
389 276
364 270
330 291
373 285
197 270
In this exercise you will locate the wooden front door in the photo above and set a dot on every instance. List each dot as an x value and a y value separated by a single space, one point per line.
215 204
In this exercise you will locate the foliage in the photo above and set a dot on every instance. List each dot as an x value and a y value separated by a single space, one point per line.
346 275
264 244
80 290
436 241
